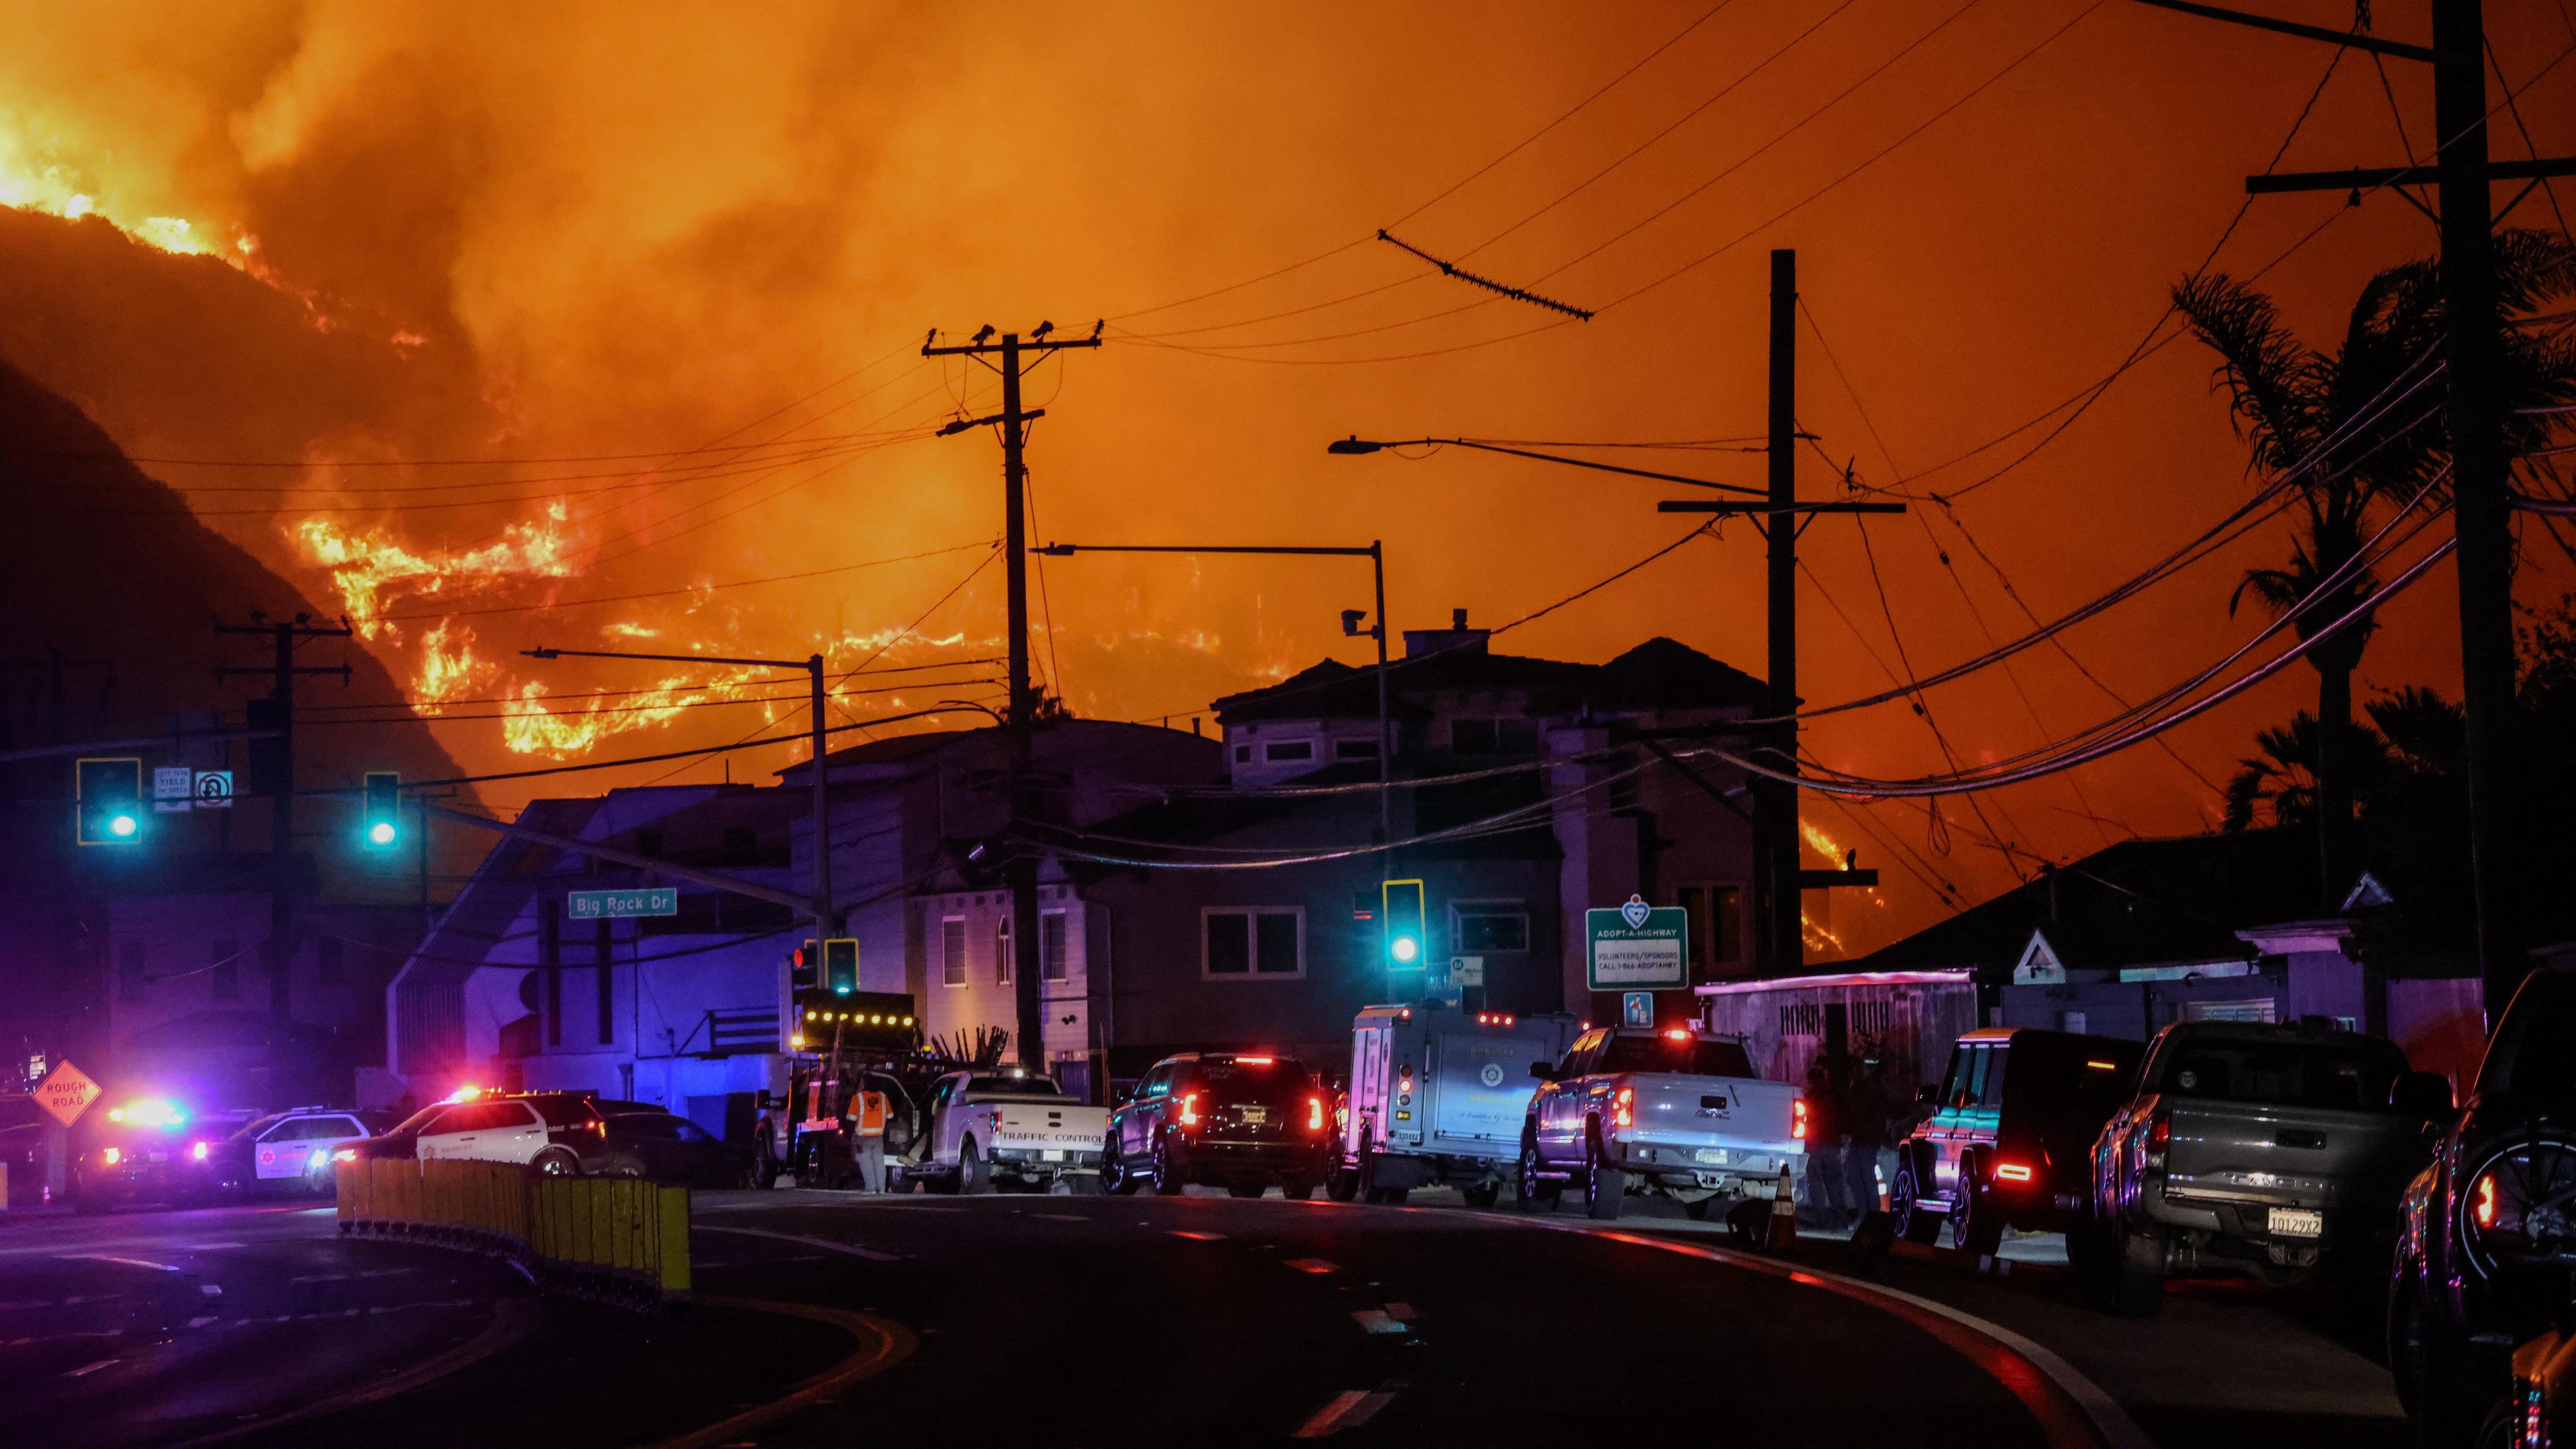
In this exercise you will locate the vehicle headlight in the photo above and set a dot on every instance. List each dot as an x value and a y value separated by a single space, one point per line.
2519 1207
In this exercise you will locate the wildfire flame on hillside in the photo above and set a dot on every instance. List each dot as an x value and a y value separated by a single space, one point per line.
34 178
371 570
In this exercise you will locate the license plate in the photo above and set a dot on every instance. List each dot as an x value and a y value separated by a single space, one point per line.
1255 1116
1710 1154
1051 1154
2296 1222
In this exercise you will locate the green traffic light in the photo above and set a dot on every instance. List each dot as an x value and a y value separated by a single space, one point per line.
123 826
381 833
1405 948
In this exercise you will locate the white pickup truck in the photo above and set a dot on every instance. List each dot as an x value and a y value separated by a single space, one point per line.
986 1127
1671 1111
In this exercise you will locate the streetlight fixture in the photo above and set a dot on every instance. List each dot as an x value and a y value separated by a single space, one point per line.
1376 555
813 666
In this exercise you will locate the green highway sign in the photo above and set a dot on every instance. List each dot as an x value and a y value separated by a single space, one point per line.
1635 947
608 905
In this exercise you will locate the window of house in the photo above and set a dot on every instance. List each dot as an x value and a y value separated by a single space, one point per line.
1052 965
1472 736
329 963
226 956
1253 942
1292 750
1477 929
952 951
1354 749
1002 950
1715 915
133 970
1243 754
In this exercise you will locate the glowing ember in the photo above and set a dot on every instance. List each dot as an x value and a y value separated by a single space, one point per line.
370 570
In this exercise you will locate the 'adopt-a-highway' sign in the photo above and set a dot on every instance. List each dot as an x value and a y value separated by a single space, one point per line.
1636 946
612 905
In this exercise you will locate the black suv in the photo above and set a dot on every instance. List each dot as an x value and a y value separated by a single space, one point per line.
2486 1252
1225 1119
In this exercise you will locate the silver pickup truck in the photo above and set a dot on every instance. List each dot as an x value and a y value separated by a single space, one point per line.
2275 1148
1674 1111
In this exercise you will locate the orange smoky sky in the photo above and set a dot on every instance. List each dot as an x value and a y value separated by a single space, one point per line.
594 238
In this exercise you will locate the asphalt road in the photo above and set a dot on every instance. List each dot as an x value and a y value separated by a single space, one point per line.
832 1319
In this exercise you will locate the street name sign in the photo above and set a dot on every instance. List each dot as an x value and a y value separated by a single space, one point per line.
66 1092
1635 946
612 905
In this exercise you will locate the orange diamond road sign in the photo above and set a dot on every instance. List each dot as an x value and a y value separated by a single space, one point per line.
67 1092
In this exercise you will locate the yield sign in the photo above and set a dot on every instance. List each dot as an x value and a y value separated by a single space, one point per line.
66 1092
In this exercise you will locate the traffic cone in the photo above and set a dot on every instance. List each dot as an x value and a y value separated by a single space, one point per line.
1784 1213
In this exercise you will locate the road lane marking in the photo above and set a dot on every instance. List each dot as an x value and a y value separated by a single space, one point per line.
1348 1410
512 1322
1197 1237
1378 1320
853 1249
2023 1367
883 1344
85 1370
129 1262
1061 1217
1312 1265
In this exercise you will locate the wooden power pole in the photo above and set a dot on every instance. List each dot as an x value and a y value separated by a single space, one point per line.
1016 355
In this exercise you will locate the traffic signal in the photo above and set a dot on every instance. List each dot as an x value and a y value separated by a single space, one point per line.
805 968
1407 940
841 966
108 802
380 820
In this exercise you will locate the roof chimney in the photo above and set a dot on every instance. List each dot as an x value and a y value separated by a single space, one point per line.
1441 641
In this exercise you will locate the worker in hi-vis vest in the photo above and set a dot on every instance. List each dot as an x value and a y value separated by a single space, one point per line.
867 1139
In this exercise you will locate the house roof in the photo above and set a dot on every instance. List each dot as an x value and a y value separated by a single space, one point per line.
1659 674
2140 902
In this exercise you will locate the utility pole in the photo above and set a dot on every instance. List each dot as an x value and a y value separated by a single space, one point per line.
1775 802
1020 864
272 761
1779 884
2474 416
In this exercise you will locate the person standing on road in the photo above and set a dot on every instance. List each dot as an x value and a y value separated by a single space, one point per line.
1828 1190
1866 1112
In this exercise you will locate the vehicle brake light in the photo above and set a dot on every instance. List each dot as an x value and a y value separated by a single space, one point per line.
2159 1132
1798 1119
1624 1111
1678 1034
1314 1114
1507 1021
112 1156
2485 1206
1255 1061
1189 1109
2012 1172
2103 1066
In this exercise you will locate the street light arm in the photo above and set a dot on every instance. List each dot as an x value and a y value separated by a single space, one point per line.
1354 446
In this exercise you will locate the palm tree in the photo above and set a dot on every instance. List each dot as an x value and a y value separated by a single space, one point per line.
2348 429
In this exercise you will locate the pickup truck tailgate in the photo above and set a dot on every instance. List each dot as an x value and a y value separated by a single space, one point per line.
1045 1125
2283 1156
1712 1112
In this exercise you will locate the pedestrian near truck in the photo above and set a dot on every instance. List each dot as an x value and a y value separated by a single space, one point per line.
1828 1185
1868 1107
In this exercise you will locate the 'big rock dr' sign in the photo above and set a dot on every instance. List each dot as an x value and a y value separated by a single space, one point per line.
1636 947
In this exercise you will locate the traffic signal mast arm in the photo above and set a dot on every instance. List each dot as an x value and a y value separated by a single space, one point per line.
753 889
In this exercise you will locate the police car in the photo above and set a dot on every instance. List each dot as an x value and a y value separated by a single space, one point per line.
290 1150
